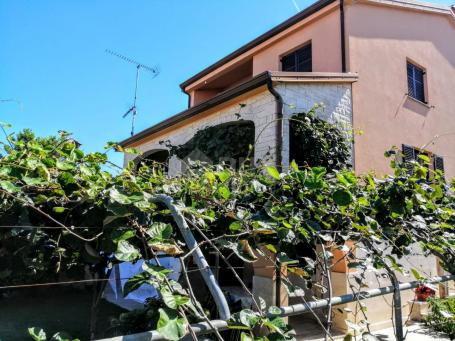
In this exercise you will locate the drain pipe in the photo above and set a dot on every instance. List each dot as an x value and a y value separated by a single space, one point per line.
279 120
279 161
343 37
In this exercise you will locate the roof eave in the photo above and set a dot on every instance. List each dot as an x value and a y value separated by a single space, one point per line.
317 6
225 96
254 83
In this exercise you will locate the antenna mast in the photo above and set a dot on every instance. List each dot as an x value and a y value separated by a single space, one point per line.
139 66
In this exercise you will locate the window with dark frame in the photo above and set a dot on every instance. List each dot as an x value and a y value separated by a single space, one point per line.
416 82
298 61
412 154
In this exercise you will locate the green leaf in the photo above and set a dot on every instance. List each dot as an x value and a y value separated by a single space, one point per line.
33 181
9 186
273 310
85 170
124 199
242 249
224 192
211 177
246 337
271 248
284 259
259 187
126 252
347 337
223 176
173 301
157 271
416 275
43 172
235 226
424 158
119 235
135 282
159 231
273 172
64 165
249 318
37 334
294 166
170 325
58 209
342 197
395 265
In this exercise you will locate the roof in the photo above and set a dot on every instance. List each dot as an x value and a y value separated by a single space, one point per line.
317 6
259 40
255 82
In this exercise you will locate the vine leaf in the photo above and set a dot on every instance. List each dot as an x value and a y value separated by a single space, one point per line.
417 275
224 192
284 259
159 231
342 197
246 337
126 252
249 318
173 301
37 334
242 249
9 186
135 282
273 172
170 325
119 235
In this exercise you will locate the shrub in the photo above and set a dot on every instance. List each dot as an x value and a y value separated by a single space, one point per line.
442 316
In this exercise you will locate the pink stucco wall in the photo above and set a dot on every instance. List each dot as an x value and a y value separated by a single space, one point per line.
380 39
321 28
324 34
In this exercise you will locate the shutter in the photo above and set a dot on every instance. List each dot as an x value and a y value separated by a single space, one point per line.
409 153
438 163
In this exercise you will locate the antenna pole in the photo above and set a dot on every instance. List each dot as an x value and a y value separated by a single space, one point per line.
134 103
155 71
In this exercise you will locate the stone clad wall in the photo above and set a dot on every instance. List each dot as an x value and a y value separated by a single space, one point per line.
297 98
260 108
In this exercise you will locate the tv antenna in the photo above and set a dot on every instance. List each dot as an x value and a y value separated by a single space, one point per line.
139 66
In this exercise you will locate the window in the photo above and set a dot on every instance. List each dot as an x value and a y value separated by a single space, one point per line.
412 154
416 82
298 60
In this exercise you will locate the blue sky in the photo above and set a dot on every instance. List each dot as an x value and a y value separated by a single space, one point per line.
52 58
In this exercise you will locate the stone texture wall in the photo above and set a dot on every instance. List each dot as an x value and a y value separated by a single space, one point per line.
334 98
260 108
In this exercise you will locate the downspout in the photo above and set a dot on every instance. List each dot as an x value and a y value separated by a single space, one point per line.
279 160
343 38
189 98
279 120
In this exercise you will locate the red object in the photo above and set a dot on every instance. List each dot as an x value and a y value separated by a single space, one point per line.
423 292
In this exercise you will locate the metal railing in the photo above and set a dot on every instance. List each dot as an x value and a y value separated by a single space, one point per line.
296 309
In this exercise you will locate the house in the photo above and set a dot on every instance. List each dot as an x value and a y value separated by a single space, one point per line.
383 67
